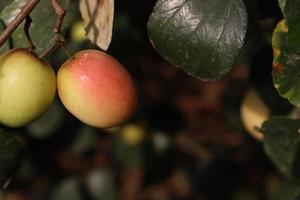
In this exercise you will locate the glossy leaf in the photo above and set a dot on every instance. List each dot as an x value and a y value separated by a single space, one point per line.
10 156
202 37
43 20
282 144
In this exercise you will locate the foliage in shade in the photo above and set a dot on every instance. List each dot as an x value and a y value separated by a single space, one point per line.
287 190
43 20
282 144
6 45
10 156
4 3
282 4
202 37
291 12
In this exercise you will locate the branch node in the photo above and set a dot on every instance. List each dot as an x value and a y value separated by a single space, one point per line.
58 38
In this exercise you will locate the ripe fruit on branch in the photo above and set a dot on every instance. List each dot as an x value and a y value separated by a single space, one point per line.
97 89
253 113
27 87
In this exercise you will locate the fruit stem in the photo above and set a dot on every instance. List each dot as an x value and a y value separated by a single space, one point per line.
27 33
18 20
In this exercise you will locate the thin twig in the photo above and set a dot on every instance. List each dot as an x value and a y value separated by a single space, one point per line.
59 39
18 20
45 53
60 14
27 33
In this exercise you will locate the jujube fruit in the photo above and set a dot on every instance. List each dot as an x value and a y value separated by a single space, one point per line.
96 89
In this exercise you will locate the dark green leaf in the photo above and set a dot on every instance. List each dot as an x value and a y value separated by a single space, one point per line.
291 13
202 37
298 197
128 155
4 3
10 156
6 45
286 190
282 144
47 124
43 20
282 4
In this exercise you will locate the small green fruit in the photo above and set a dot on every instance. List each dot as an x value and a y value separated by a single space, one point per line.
27 87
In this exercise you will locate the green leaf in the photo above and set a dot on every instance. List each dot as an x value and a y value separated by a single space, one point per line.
286 45
202 37
10 156
47 124
298 197
282 5
287 190
4 3
6 45
43 21
286 73
282 144
291 13
127 155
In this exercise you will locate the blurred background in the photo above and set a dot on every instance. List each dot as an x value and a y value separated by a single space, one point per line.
186 140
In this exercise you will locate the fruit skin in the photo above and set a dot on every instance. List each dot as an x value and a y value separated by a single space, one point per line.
78 32
96 89
27 87
253 113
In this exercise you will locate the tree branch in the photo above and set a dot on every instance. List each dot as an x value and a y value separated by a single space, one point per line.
60 14
18 20
59 39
